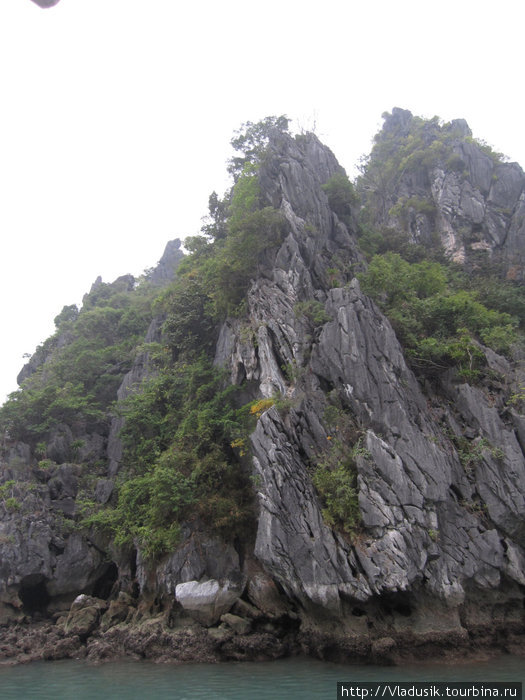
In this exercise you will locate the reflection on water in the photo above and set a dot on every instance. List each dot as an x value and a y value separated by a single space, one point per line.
289 679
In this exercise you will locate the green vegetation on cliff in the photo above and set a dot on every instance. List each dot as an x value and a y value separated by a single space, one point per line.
442 311
438 321
79 369
178 461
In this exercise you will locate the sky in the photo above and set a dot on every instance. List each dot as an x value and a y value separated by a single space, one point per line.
116 117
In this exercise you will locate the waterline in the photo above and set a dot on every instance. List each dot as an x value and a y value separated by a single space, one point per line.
289 679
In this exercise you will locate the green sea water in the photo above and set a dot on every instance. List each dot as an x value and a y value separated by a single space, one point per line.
290 679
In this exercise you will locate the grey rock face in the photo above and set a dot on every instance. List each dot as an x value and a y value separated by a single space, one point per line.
164 272
293 543
420 523
42 355
41 558
498 470
65 446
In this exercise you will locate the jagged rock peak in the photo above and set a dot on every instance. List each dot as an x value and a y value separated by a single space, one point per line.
425 177
461 127
398 122
164 272
96 284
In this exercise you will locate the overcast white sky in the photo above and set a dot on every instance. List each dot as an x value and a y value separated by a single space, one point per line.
116 116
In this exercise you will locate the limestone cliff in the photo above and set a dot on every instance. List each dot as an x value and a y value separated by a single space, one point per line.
431 529
437 556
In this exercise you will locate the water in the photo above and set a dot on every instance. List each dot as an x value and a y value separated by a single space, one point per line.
289 679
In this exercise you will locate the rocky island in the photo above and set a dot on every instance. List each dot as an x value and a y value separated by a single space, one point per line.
304 435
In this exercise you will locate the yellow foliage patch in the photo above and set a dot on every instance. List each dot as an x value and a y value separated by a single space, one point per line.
259 407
